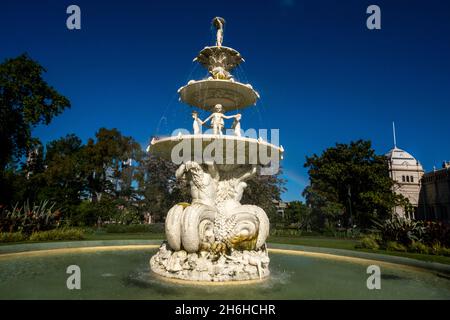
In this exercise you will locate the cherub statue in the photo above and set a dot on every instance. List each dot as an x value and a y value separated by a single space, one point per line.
216 118
237 125
197 124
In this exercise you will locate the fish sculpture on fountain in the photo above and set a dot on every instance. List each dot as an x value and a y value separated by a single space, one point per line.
215 237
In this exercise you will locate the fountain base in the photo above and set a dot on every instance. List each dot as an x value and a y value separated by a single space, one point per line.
205 266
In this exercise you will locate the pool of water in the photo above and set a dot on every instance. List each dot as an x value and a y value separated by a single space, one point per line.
125 274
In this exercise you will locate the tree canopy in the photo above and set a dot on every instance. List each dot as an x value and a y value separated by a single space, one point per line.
350 184
26 100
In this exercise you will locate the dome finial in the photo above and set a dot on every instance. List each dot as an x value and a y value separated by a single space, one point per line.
393 132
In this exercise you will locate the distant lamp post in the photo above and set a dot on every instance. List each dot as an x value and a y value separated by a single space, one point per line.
349 193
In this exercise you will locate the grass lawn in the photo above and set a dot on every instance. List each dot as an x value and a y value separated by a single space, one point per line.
316 241
349 244
312 241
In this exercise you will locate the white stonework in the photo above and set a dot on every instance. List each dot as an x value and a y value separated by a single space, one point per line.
215 237
407 172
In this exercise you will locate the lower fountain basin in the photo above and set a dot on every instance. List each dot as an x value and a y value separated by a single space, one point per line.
223 149
120 270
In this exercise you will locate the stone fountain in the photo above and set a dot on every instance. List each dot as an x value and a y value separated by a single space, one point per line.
215 237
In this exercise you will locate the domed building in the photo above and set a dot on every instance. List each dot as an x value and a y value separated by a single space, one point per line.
407 172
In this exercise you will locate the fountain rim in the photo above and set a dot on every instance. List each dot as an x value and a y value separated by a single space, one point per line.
204 89
24 250
164 145
212 137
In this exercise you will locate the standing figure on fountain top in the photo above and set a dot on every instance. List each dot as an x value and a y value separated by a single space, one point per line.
219 23
216 118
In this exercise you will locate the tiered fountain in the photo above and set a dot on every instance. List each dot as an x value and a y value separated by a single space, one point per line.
216 238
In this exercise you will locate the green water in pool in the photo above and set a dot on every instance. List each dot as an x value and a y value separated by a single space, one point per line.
125 274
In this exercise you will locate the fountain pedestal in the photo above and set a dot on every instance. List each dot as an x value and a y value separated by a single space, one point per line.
200 266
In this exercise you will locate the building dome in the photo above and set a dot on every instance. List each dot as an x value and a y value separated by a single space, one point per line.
400 158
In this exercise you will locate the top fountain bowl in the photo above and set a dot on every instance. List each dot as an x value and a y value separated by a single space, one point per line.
229 57
205 94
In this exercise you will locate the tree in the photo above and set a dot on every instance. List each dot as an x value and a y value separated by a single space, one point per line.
110 163
350 183
65 175
159 188
262 190
299 214
26 100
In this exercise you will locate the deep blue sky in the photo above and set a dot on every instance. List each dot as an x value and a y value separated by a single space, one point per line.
322 75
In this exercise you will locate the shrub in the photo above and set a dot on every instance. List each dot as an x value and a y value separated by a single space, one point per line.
436 248
286 232
445 251
402 230
419 247
370 242
395 246
12 237
30 218
58 234
156 227
353 233
437 231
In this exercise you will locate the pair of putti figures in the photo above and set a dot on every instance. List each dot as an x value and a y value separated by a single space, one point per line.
215 221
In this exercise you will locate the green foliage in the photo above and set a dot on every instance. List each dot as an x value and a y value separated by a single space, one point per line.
370 241
65 175
285 232
159 187
262 190
349 184
395 246
30 218
58 234
90 213
401 234
445 251
107 162
55 234
436 248
401 230
419 247
26 100
298 214
135 228
352 233
12 237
